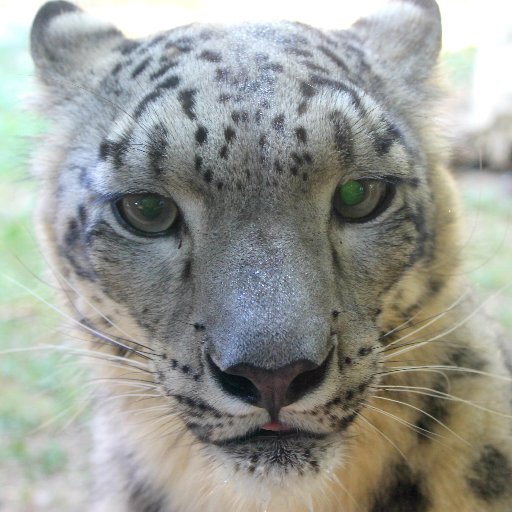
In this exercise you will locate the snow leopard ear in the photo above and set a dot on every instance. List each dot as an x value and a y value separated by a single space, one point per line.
67 43
405 36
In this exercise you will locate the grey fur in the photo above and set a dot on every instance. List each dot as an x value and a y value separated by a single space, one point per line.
250 129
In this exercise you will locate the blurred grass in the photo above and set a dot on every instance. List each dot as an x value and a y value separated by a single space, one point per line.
35 465
35 386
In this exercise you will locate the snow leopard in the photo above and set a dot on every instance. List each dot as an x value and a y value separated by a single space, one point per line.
258 241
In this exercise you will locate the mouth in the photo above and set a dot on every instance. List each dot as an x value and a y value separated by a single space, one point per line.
271 433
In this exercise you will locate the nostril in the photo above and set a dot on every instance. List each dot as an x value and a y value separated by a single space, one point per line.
270 389
307 381
235 385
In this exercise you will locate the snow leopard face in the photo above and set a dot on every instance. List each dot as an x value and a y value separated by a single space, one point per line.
257 206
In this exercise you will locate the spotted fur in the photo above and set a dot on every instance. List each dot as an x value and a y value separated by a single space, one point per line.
401 396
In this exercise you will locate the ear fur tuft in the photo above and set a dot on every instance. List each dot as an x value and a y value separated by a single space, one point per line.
65 40
405 37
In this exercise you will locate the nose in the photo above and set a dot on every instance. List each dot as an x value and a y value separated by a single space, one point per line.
271 389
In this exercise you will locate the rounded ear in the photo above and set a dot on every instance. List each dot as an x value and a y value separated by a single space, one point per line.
405 36
65 41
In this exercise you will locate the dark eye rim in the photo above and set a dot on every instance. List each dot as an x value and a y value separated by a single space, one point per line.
119 214
382 205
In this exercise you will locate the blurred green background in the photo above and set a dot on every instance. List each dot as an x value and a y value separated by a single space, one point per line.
43 439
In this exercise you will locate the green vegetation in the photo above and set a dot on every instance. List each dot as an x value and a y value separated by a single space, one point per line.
32 382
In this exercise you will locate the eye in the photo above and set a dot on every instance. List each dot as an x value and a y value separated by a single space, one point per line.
362 200
147 214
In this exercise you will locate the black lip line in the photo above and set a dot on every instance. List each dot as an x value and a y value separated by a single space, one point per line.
268 435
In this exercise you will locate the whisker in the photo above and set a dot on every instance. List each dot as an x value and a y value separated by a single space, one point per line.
463 369
434 319
393 444
426 414
446 396
73 320
419 430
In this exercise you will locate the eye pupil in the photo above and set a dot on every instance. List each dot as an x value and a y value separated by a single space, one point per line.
147 214
149 207
352 192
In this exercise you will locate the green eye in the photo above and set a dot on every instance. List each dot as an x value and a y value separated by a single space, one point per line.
352 192
148 214
362 200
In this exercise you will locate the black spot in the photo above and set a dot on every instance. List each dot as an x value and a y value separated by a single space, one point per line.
162 70
183 44
343 139
432 407
296 158
210 56
349 395
302 135
278 123
187 100
185 368
334 58
336 85
187 270
314 67
236 117
274 67
465 357
435 285
278 167
302 108
362 387
141 67
294 170
258 115
491 475
307 158
364 351
294 50
82 214
229 134
423 233
208 176
198 163
105 150
117 68
403 495
72 233
201 135
156 150
223 153
348 360
128 46
168 83
220 185
141 107
305 176
344 422
222 74
224 98
307 90
383 142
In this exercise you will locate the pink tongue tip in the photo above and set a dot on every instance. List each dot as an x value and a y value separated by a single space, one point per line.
275 426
